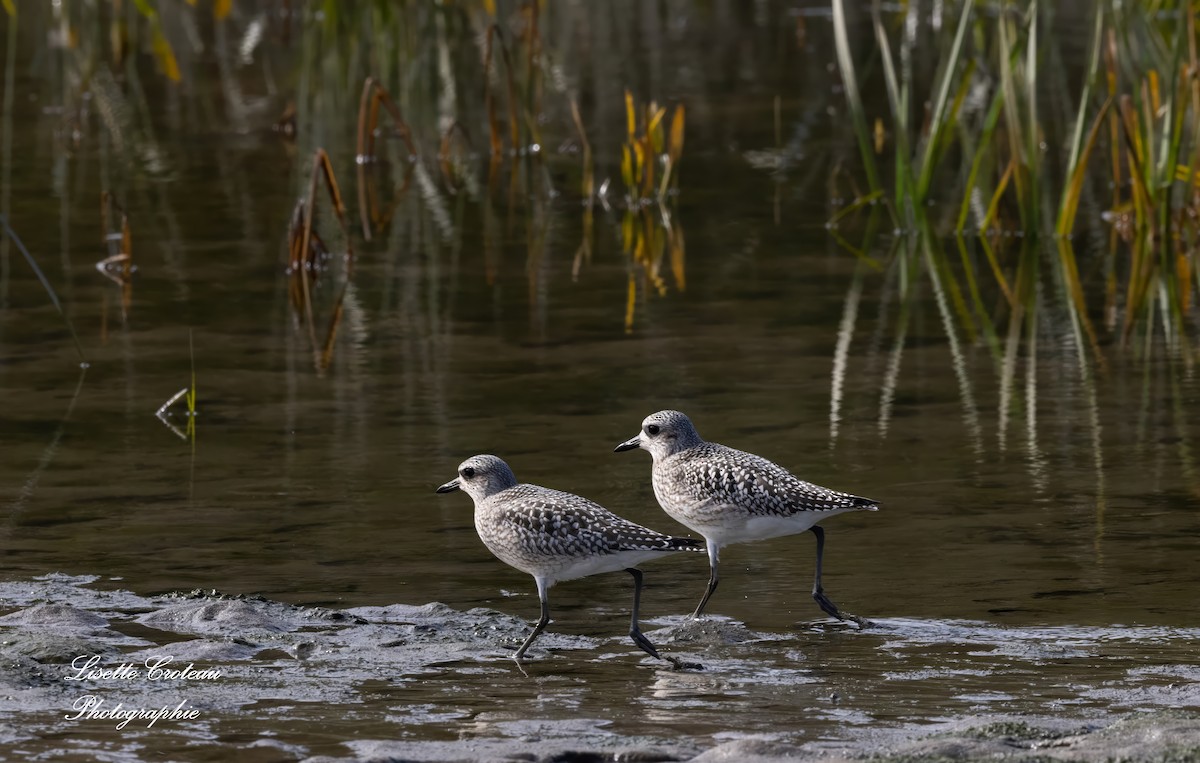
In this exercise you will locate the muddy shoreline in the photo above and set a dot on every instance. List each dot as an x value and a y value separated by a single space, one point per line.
87 666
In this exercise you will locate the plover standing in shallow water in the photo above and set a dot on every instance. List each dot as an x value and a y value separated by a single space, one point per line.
730 496
557 536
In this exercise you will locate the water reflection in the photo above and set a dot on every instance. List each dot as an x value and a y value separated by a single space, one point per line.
447 233
653 243
510 301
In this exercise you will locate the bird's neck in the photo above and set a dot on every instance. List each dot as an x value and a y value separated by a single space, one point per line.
675 448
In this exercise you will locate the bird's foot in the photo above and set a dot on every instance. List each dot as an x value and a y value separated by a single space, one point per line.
861 622
829 608
679 665
521 667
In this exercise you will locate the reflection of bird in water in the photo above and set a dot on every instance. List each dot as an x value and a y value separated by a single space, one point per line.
730 496
556 536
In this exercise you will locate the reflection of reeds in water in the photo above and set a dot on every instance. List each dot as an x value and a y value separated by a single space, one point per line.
188 394
308 257
1007 271
6 141
649 237
13 509
373 96
1034 379
447 74
460 77
587 187
10 234
648 233
117 265
514 92
986 140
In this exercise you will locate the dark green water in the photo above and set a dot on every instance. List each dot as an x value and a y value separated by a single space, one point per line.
1029 555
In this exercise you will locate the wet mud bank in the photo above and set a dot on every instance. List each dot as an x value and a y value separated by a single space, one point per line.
88 670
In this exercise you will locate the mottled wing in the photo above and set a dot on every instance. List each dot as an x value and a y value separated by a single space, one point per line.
760 487
551 522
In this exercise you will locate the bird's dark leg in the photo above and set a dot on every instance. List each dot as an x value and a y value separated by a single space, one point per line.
713 578
818 593
542 622
635 631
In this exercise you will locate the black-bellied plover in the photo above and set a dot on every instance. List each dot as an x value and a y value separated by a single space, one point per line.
730 496
557 536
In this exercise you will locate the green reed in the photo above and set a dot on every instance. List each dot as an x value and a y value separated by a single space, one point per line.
982 138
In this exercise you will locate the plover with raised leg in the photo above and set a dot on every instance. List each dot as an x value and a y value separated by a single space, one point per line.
556 536
730 496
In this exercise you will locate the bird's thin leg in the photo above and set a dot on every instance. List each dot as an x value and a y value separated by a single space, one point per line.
818 593
713 550
635 631
542 622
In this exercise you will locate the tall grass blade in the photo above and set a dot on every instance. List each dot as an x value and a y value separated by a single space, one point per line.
191 398
938 120
899 103
853 97
982 152
1070 199
1085 95
37 271
489 100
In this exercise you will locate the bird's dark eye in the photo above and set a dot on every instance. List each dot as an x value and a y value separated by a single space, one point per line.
652 430
469 472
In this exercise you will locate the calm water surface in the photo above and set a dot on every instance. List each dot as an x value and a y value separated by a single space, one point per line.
1030 552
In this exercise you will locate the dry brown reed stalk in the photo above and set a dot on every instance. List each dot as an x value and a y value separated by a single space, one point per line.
489 100
491 237
305 245
117 265
335 321
533 82
373 96
286 124
536 227
317 251
587 187
453 153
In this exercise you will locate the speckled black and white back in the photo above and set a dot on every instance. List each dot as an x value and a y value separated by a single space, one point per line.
728 495
555 535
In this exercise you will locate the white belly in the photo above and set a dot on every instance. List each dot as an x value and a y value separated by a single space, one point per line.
559 568
729 524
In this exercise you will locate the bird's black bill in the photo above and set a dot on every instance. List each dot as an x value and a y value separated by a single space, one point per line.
449 487
628 445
